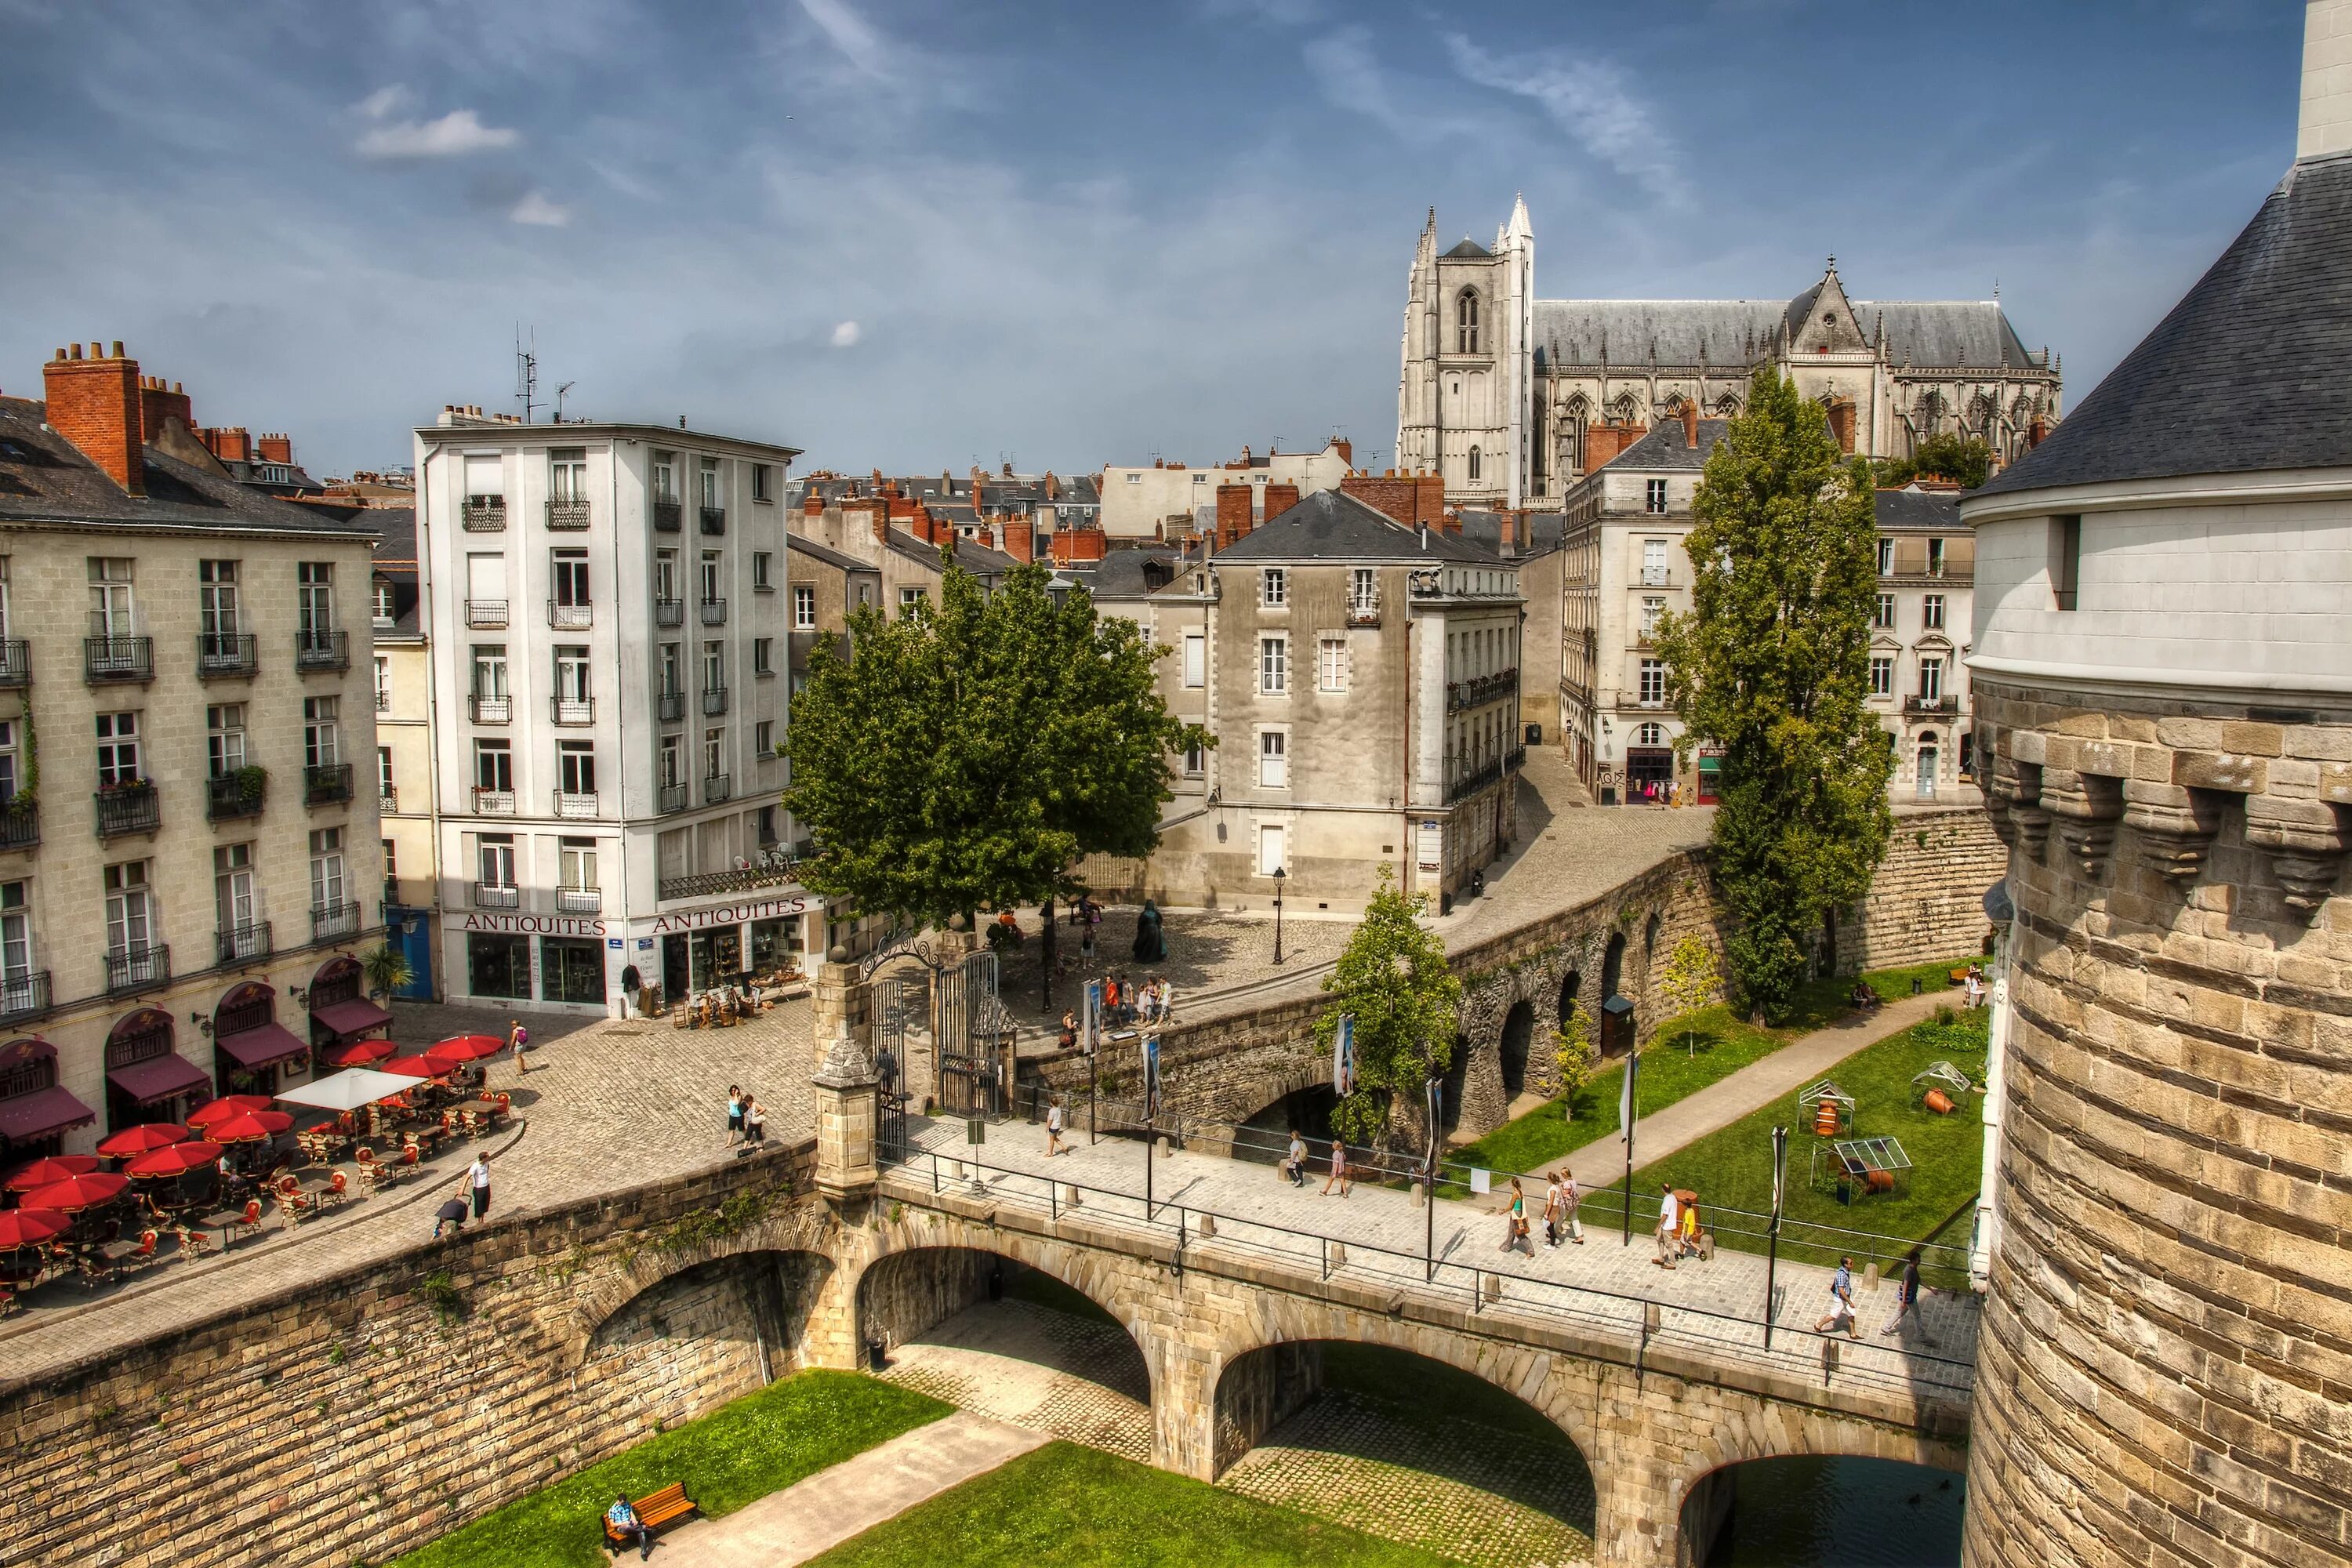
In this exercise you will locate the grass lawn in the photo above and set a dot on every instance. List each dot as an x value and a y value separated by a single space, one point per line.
736 1454
1687 1055
1065 1505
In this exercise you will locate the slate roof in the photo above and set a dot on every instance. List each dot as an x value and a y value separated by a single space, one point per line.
1127 573
1931 510
827 553
1331 526
1469 250
1664 447
2248 371
976 559
1546 530
1734 333
395 559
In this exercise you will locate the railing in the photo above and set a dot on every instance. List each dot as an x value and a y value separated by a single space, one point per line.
769 875
118 659
239 793
1481 688
673 798
576 803
135 809
567 516
714 612
326 782
573 711
497 896
1364 615
1517 757
579 901
716 787
670 704
569 618
138 968
15 662
1947 705
1657 577
666 516
20 824
485 514
387 798
224 653
493 802
714 519
490 709
384 700
670 612
714 701
486 615
21 995
319 650
239 944
1471 783
331 923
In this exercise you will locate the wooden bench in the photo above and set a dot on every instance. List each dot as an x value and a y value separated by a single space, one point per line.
670 1503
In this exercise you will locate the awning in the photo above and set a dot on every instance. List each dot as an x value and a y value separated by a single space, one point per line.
160 1078
349 1090
358 1016
257 1047
26 1117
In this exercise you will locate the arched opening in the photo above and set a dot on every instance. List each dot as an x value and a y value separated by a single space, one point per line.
1402 1446
1518 1032
996 1336
1649 938
1612 966
1812 1507
1569 988
251 1049
1474 464
146 1079
1457 1075
1465 322
1930 762
1265 1137
710 1333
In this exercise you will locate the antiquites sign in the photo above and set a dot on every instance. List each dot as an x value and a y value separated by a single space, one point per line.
535 925
728 914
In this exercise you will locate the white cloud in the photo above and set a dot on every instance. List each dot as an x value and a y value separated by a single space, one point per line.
1342 65
846 335
454 135
1589 98
535 208
857 41
383 101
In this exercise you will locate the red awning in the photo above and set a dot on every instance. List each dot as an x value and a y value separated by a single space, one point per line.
260 1047
26 1117
160 1078
358 1016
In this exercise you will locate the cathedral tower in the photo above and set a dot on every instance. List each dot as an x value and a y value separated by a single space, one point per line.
1466 376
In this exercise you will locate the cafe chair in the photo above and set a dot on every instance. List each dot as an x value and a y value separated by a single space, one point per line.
194 1244
249 1221
144 1252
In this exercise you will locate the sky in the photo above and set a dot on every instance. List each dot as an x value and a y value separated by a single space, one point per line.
920 234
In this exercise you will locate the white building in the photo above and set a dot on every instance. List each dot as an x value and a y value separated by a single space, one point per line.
1167 500
608 615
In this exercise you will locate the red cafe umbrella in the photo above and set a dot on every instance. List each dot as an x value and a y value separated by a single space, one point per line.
425 1064
140 1139
176 1161
57 1168
250 1128
468 1047
359 1053
221 1109
30 1227
75 1192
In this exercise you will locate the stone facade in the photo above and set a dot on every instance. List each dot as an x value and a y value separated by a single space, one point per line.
1926 900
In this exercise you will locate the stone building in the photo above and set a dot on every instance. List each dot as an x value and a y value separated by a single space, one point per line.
1514 398
186 869
404 752
1170 500
2164 626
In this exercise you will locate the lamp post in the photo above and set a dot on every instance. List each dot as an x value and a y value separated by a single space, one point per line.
1278 879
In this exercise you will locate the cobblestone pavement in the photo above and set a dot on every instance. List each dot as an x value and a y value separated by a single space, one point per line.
1461 1490
1076 1378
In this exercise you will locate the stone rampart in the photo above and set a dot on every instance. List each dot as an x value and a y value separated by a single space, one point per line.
1927 899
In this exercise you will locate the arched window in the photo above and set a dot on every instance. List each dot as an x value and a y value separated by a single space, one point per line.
1650 735
1465 322
1474 465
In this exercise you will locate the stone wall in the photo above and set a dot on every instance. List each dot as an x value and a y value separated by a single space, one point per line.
903 1295
1927 902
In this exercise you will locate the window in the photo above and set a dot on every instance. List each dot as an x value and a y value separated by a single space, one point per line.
109 596
666 576
130 910
1273 666
486 482
1196 659
1654 496
1270 849
490 670
223 737
763 478
763 569
1363 589
1885 618
1465 322
1331 663
1196 759
381 612
673 761
496 860
383 684
567 476
233 900
907 599
216 607
1931 612
575 767
666 478
118 749
864 595
10 772
714 752
710 577
15 938
2065 560
1653 563
763 737
709 495
1273 758
1934 558
1654 683
494 766
384 774
1650 735
1653 606
319 740
1931 680
1273 587
763 827
326 867
1882 674
714 667
1474 465
391 868
572 579
575 866
1887 558
804 609
314 601
763 656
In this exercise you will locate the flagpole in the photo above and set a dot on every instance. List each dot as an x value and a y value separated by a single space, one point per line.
1625 1121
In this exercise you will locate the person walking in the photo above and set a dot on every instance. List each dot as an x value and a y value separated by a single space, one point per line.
734 1113
1339 1168
1569 1197
1054 1129
1906 1302
1841 1313
478 1177
518 1041
1669 1227
1294 1167
1515 1231
1551 1209
755 1122
622 1524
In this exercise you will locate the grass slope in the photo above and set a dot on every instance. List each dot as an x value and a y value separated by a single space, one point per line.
1068 1507
736 1454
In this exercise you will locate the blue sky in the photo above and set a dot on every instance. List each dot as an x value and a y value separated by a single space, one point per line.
913 233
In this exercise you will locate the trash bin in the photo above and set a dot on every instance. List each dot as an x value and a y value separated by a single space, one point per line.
1917 986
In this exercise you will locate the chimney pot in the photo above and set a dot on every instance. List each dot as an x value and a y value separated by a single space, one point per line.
77 352
95 404
118 348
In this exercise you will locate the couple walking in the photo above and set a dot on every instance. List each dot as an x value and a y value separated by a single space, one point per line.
1561 1199
747 1118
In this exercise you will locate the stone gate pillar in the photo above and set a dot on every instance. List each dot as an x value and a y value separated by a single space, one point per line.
842 998
848 1112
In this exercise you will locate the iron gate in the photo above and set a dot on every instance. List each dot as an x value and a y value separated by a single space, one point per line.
968 1022
899 1004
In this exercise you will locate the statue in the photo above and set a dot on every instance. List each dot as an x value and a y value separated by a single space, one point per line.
1150 947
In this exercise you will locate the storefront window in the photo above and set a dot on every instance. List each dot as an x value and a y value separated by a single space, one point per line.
571 969
715 956
775 944
497 965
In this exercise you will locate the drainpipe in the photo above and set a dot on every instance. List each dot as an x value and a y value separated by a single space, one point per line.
1406 859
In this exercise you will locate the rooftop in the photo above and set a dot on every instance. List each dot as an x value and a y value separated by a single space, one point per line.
1330 525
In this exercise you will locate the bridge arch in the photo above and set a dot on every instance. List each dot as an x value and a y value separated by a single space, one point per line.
1849 1497
1518 1035
747 1311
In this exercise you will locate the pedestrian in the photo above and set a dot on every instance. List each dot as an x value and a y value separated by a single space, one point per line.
449 1218
1054 1129
518 1041
622 1524
1569 1199
1841 1313
1339 1169
755 1122
1087 942
1669 1227
1069 1029
1551 1209
734 1113
1515 1230
1294 1167
1687 1211
478 1177
1975 987
1907 1300
630 982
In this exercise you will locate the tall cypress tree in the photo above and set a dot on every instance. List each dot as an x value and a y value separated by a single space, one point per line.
1772 665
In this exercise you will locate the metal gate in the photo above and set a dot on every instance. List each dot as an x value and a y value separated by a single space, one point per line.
899 1004
968 1022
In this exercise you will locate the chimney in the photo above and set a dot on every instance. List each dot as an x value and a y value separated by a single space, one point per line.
1021 538
160 401
277 449
94 403
1232 513
2324 125
1347 450
230 443
1279 499
1690 425
813 503
1053 486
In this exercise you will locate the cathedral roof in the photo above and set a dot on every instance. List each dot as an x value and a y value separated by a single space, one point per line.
1735 333
1469 250
2248 370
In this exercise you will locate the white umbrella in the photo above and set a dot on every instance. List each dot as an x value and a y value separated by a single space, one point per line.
348 1089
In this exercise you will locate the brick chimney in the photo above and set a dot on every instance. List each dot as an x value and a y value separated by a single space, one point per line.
1690 425
277 449
1347 450
1053 486
94 403
1279 499
160 401
1073 544
1021 538
230 443
813 502
1234 522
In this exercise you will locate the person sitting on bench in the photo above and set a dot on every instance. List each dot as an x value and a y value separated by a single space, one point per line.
623 1526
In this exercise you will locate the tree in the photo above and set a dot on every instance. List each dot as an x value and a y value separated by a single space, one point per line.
385 968
1688 983
964 756
1772 665
1393 979
1964 460
1572 1050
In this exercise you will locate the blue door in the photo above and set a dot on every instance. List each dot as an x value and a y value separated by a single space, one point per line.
411 932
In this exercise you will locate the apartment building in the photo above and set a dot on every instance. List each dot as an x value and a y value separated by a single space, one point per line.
402 764
188 872
1170 500
607 610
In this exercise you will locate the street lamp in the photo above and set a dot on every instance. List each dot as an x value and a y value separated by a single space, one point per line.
1278 879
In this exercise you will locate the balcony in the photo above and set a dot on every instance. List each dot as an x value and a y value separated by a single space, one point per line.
579 901
243 944
490 709
20 824
138 969
673 798
485 514
567 516
106 659
670 612
573 711
324 783
576 803
1514 759
714 612
387 799
333 922
1919 706
317 648
129 808
1471 783
666 514
1657 577
486 615
716 787
16 663
235 795
497 896
493 802
569 618
1481 689
714 519
25 994
1367 614
768 875
670 704
714 701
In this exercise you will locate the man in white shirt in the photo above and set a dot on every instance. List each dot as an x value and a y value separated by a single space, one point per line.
478 1178
1295 1167
1670 1220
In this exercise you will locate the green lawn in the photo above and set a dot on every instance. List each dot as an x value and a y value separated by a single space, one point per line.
1065 1505
736 1454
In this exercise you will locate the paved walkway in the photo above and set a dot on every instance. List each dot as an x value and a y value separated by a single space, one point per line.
815 1515
1067 1376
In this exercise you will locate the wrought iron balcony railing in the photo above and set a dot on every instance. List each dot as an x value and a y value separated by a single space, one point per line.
490 709
486 615
237 794
23 994
129 808
576 803
16 663
666 515
670 612
326 782
670 704
316 648
111 658
20 824
332 923
673 798
138 968
716 787
243 944
569 618
567 516
579 901
573 711
497 896
486 514
714 701
714 519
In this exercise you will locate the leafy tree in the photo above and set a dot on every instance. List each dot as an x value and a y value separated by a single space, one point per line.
1393 978
1688 983
1772 665
1964 460
1572 1051
966 755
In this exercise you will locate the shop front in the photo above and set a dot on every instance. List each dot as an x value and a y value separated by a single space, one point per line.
146 1079
1711 774
761 940
253 1053
338 1011
36 1114
559 959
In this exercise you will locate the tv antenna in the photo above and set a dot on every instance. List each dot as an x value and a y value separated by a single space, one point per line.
559 399
526 371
